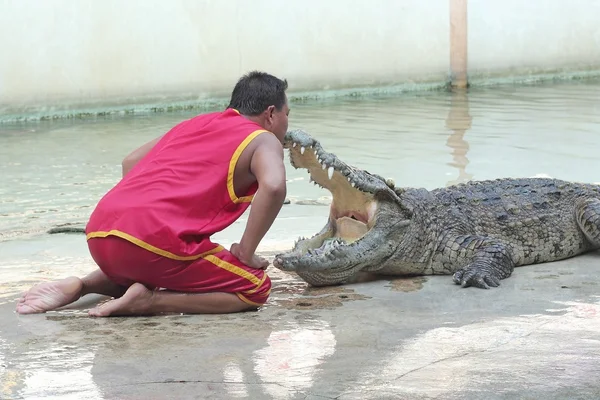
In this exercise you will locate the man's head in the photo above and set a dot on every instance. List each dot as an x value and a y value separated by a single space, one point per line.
261 97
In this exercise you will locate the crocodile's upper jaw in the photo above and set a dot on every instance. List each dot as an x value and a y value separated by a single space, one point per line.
354 208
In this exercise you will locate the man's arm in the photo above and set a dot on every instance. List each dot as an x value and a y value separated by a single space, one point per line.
269 170
135 156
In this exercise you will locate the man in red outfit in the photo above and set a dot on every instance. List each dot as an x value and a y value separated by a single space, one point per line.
151 234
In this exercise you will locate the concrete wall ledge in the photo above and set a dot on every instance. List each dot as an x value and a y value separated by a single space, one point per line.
154 104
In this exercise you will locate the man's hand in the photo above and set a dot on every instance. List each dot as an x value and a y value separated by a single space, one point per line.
253 261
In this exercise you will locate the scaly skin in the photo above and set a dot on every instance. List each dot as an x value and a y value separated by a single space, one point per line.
478 232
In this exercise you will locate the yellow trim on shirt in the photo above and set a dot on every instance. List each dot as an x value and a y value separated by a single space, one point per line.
149 247
233 163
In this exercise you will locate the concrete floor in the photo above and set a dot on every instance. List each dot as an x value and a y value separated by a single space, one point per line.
537 336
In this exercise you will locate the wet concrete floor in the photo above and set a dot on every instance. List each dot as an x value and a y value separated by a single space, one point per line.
536 336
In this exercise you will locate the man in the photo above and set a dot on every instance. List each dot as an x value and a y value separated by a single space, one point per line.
150 234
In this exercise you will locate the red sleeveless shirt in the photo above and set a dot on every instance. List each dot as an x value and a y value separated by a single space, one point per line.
182 191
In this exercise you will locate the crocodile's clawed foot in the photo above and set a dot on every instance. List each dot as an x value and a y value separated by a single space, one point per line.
475 276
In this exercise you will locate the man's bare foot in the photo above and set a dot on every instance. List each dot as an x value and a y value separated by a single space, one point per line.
48 296
137 300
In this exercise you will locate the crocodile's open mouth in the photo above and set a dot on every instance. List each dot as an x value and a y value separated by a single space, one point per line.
353 211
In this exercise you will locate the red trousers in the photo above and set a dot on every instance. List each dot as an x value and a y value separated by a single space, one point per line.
126 263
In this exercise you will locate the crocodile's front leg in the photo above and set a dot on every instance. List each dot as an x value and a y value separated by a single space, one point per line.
587 213
478 261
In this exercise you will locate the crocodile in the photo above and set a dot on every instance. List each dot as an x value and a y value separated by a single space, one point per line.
477 231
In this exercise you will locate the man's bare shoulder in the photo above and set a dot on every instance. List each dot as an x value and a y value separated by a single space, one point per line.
267 143
268 137
262 155
266 163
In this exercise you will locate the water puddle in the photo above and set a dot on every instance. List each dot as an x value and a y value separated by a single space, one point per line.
327 301
407 284
290 292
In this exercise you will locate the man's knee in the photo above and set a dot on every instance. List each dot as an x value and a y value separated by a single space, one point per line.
259 295
265 289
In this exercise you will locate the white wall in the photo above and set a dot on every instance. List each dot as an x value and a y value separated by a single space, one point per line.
67 54
77 50
516 36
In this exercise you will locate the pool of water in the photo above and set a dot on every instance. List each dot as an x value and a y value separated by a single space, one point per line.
54 172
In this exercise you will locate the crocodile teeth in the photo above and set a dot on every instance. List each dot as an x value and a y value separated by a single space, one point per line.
302 150
324 166
330 172
294 144
353 184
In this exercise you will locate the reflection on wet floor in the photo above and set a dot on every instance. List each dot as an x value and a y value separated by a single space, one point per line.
68 355
48 370
293 356
57 370
234 374
460 358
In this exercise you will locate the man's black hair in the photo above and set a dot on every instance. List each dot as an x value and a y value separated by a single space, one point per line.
256 91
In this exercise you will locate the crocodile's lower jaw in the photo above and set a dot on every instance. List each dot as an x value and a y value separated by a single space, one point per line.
339 231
